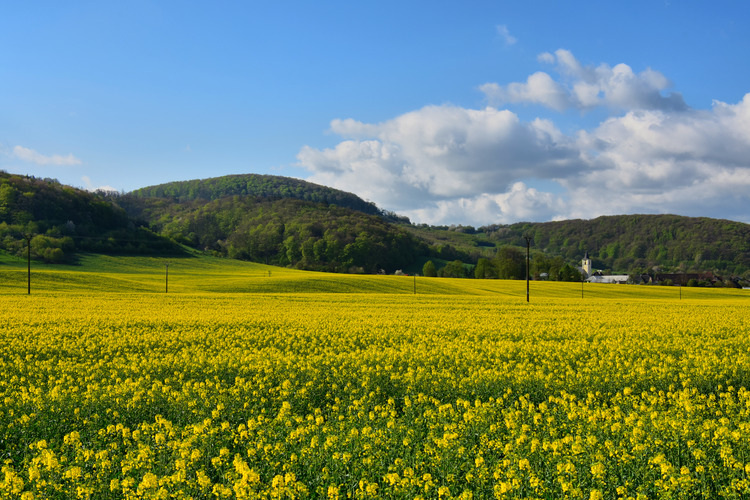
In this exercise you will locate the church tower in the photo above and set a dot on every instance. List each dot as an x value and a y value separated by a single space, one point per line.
586 265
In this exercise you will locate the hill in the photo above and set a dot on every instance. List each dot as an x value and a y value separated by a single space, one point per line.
291 223
637 243
285 232
61 220
257 186
626 244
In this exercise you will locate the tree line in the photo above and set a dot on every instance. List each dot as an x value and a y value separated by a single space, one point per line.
508 263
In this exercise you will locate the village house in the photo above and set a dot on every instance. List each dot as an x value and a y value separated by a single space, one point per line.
598 277
591 275
588 273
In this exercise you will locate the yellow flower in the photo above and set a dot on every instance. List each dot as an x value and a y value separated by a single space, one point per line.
598 470
34 473
203 480
333 492
149 481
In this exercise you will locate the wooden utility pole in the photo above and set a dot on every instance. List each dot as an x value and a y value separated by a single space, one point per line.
166 280
528 244
28 262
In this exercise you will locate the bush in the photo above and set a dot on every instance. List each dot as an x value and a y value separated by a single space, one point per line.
429 270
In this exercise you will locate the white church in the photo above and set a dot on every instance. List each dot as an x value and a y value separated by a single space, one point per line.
592 276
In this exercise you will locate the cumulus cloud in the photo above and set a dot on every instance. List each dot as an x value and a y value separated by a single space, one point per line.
448 164
585 87
519 202
694 163
440 153
539 88
32 156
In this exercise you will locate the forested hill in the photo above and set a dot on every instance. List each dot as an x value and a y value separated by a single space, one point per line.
61 220
277 220
286 232
255 185
628 243
289 222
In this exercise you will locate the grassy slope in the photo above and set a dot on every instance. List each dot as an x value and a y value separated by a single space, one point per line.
202 274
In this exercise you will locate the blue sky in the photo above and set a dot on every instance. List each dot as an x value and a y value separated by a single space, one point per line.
448 112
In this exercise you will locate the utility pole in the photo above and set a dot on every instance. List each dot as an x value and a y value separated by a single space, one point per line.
166 280
528 244
28 262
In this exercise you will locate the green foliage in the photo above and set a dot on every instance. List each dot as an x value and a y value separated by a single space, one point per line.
255 185
63 220
568 273
631 243
510 263
286 232
429 269
484 269
545 264
455 269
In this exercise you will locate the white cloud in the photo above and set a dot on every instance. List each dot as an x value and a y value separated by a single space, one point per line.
504 33
440 153
447 164
539 88
90 186
694 162
519 203
585 87
32 156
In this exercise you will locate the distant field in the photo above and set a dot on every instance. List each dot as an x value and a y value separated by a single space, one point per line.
237 384
201 274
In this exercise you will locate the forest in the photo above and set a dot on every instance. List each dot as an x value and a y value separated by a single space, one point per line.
60 220
637 243
286 232
256 186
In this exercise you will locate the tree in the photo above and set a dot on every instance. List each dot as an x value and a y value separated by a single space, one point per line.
569 273
429 269
511 263
484 269
454 269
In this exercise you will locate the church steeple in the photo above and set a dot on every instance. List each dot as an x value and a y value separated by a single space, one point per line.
586 265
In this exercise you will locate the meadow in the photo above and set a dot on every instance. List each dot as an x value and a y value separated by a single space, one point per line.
248 381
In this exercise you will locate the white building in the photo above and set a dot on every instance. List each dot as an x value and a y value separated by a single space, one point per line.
608 278
592 276
585 268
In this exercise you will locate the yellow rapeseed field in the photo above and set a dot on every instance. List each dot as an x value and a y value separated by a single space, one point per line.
294 395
